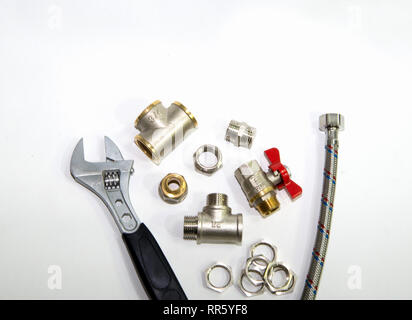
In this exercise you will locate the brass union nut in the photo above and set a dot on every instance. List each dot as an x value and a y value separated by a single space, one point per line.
173 195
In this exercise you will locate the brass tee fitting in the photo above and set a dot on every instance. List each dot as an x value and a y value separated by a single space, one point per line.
163 129
215 224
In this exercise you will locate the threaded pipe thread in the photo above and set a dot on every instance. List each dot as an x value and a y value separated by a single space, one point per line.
190 227
216 199
232 130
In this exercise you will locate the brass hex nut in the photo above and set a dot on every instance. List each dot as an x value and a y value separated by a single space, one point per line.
173 195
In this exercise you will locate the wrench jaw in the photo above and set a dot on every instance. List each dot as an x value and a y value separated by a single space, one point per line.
109 181
112 151
77 161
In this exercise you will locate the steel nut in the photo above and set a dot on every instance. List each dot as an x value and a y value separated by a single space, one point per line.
209 283
289 284
331 120
272 248
253 266
288 289
202 168
260 288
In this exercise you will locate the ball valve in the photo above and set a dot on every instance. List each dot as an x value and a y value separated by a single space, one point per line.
259 186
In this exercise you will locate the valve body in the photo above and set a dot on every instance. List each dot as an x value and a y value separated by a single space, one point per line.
259 186
258 189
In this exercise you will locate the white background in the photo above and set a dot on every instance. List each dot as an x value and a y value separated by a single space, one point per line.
71 69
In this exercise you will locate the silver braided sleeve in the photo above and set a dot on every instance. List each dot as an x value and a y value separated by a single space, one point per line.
326 211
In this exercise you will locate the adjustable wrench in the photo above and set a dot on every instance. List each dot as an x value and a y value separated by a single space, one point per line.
110 182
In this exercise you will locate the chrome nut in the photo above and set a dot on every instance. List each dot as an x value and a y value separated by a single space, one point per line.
289 284
223 266
331 120
170 195
266 244
202 168
259 291
290 288
252 266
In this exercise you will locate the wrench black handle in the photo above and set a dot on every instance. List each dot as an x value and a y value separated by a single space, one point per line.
152 267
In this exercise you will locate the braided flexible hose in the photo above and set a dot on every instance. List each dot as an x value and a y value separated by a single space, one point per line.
326 210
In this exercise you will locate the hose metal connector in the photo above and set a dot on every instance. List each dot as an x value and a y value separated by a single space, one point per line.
331 124
215 224
163 129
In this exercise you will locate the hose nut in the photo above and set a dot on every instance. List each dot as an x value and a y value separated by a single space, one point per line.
215 224
240 134
163 129
173 195
331 120
201 167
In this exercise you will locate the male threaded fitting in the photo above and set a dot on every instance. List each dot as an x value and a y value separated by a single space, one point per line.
217 199
190 226
215 224
240 134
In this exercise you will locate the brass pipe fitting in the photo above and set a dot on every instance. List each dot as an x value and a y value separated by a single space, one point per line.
169 194
215 224
240 134
163 129
258 189
259 186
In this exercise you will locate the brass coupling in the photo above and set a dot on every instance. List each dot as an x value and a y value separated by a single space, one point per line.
215 224
163 129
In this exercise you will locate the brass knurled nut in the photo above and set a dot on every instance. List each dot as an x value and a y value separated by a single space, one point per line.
173 195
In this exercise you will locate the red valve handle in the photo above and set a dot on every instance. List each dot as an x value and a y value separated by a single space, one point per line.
273 157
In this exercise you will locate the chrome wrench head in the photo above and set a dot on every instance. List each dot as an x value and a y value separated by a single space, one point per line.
109 181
